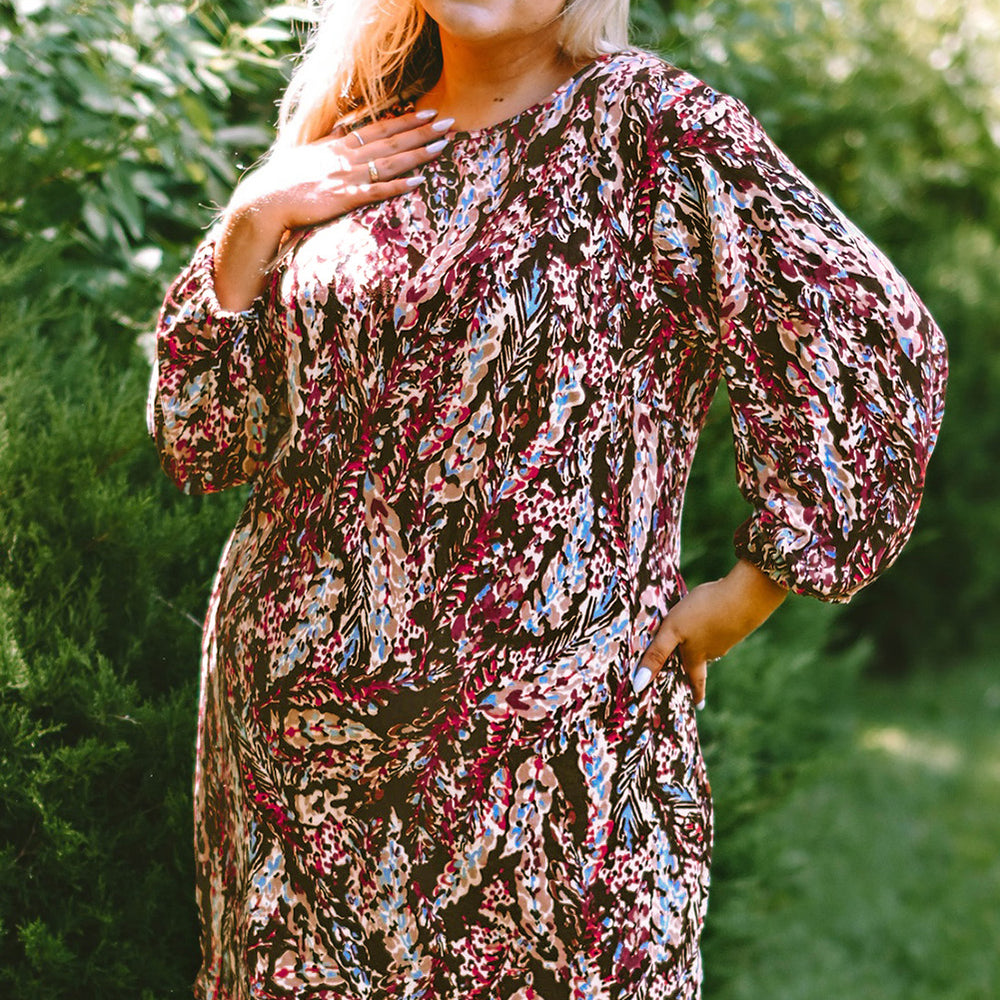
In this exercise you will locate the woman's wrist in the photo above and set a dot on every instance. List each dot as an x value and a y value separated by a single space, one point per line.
752 594
708 621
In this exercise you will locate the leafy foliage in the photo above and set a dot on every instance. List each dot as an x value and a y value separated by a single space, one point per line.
121 121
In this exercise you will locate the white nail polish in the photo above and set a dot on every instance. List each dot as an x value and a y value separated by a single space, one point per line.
700 705
443 125
426 113
436 147
415 180
641 679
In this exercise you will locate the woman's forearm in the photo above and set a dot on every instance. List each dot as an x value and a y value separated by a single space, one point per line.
246 245
751 596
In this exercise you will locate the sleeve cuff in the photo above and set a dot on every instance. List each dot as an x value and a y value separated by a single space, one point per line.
800 561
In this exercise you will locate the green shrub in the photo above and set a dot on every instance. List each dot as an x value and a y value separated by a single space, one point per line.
121 121
104 571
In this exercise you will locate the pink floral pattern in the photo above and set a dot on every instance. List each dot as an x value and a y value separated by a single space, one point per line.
468 415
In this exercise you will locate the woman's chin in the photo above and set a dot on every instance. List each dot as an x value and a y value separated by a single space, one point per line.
477 22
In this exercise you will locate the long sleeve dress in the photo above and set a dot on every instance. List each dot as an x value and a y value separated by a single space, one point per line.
468 414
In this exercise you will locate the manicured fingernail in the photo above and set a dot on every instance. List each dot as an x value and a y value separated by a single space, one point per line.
641 679
415 180
426 113
436 147
442 125
700 705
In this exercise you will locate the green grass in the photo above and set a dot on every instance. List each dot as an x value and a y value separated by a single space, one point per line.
879 876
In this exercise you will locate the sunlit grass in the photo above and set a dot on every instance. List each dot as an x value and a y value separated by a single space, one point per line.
879 878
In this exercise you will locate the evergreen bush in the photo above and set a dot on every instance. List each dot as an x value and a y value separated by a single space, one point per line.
104 575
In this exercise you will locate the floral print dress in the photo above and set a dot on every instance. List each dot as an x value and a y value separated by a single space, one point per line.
468 415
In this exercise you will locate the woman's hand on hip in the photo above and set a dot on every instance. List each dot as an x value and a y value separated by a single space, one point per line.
708 622
314 183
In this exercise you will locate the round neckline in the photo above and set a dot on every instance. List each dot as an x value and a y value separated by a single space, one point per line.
545 102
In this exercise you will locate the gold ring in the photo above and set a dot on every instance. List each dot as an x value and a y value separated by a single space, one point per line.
357 135
373 171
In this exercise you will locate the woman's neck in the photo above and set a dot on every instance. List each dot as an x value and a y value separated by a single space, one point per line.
482 85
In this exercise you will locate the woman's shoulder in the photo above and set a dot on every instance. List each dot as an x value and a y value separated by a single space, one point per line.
649 82
653 92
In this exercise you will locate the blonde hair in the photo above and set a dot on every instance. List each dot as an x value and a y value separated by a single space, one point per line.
363 54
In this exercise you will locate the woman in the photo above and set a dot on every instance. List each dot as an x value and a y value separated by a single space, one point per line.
460 332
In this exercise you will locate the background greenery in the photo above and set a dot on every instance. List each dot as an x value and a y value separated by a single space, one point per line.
853 751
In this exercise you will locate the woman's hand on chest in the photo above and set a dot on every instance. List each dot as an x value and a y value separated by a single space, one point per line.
311 184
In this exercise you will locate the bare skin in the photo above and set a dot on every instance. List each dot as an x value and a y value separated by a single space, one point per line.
499 57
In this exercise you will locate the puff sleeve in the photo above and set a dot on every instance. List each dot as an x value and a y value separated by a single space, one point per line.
835 369
216 393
